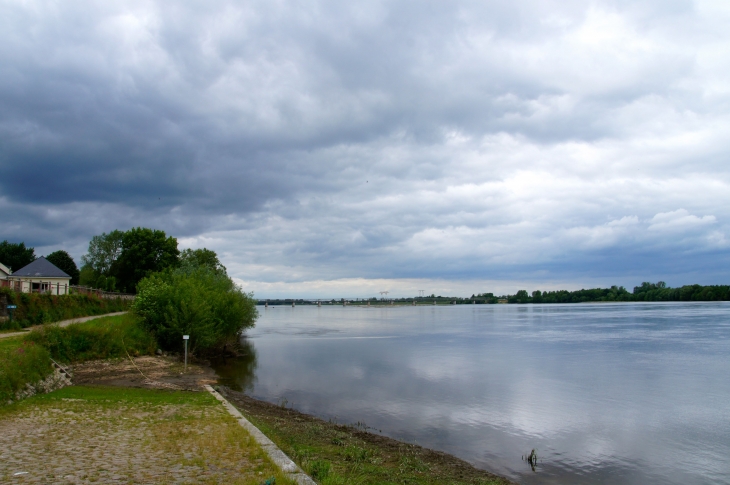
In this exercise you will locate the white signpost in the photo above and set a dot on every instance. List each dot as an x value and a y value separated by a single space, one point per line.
186 338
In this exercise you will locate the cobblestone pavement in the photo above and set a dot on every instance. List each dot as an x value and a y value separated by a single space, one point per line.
72 440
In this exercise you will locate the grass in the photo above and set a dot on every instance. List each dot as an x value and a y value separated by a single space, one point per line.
26 359
334 454
21 362
102 338
139 435
36 309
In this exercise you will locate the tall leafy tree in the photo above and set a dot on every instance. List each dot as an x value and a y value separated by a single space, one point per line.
201 257
63 261
144 251
16 255
103 252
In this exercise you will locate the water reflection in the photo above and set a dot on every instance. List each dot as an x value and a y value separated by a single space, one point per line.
238 373
633 394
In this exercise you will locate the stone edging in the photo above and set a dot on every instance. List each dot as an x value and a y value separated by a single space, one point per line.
276 455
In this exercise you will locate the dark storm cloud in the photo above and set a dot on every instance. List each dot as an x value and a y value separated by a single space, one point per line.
462 140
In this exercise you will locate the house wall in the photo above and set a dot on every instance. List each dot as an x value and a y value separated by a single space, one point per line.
54 286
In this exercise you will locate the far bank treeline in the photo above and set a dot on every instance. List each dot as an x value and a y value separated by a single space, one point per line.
646 292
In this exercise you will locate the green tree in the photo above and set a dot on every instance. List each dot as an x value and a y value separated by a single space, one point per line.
144 251
103 252
199 302
201 257
16 255
63 261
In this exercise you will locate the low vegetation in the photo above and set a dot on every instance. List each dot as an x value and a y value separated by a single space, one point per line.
39 308
27 359
102 338
21 362
334 454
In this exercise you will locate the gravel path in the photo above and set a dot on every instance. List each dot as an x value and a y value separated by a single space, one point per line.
62 323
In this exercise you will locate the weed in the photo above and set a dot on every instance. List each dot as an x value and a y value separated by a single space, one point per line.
103 338
319 469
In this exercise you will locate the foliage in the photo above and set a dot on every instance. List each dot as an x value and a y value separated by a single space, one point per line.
103 251
87 275
201 257
63 261
199 302
646 292
38 308
16 255
144 251
21 363
102 338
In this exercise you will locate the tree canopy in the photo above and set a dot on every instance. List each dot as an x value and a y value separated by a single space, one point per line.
16 255
103 251
63 261
201 257
195 301
144 251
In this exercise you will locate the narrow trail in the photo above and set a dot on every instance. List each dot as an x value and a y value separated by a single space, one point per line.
62 323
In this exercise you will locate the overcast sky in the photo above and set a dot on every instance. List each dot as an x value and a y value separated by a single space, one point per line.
330 149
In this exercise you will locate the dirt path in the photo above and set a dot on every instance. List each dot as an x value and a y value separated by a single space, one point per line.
62 323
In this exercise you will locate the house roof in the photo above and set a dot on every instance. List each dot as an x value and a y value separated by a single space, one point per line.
41 268
4 270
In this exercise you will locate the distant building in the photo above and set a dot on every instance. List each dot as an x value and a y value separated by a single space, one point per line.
4 272
40 276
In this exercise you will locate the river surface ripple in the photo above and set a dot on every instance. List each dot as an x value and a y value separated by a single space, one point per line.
606 393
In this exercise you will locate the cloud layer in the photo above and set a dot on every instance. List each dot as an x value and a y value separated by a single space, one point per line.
500 143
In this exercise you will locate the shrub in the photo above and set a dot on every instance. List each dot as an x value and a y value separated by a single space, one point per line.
38 308
103 338
20 364
195 301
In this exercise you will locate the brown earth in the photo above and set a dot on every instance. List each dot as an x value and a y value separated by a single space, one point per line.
158 372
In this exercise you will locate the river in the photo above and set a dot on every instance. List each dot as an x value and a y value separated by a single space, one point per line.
628 393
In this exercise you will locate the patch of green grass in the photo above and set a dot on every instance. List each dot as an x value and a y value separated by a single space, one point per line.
108 395
21 363
102 338
10 343
336 455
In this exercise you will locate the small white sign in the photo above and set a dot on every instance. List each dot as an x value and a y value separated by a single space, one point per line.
186 337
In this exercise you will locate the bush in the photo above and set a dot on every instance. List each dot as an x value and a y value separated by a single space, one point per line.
104 338
195 301
39 308
21 363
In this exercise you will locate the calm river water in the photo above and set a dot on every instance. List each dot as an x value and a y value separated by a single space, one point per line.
606 393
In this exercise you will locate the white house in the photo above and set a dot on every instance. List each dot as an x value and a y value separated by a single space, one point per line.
40 276
4 272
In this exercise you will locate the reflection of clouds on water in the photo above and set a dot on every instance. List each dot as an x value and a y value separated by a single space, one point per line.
480 384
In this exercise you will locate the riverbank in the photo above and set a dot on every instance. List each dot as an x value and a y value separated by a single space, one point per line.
334 453
329 452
